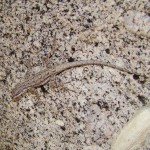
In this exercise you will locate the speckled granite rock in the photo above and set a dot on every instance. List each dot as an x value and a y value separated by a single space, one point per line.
138 23
95 103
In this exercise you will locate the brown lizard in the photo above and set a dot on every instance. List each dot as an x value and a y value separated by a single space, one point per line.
46 75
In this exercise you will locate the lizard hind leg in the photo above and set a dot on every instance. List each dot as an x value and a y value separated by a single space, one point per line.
56 83
34 92
46 60
29 64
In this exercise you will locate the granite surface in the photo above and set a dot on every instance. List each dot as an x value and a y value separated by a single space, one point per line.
95 102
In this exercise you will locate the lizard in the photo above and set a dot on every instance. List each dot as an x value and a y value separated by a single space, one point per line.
44 76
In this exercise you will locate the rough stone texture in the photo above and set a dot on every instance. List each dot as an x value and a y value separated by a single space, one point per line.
95 103
138 23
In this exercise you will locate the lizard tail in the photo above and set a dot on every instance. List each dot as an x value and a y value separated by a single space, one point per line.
66 66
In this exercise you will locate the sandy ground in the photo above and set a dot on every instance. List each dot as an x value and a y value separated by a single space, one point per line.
95 102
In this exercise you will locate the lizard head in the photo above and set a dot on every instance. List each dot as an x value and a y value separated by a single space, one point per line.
17 91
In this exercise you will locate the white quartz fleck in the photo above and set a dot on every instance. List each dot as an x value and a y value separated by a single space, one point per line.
37 44
60 122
